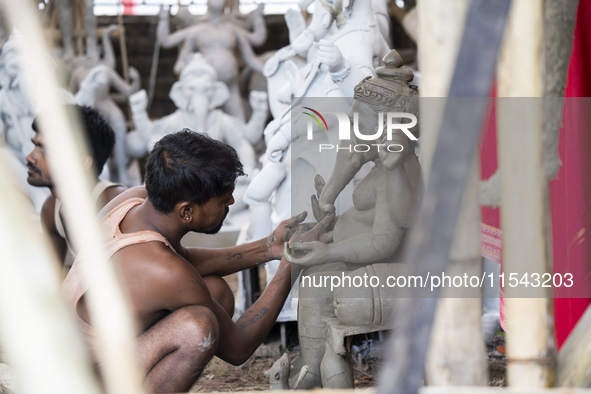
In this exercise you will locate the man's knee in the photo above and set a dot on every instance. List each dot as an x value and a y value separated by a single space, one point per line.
199 328
221 292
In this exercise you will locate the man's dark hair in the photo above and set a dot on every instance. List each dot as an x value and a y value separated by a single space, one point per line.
189 166
100 135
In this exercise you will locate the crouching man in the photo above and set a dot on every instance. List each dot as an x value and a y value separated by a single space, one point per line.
183 306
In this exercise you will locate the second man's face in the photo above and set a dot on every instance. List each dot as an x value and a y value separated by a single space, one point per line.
38 173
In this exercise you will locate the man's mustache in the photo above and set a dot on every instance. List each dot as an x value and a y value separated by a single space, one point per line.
31 167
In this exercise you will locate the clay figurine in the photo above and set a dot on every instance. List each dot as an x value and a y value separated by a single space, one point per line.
365 238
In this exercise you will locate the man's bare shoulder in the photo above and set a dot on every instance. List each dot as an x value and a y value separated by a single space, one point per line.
134 192
154 270
111 192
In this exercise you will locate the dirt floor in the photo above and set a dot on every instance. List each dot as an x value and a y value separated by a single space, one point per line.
219 376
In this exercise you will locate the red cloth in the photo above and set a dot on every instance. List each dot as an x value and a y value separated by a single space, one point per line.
129 7
570 191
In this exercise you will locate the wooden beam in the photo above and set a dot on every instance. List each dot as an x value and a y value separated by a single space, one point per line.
523 197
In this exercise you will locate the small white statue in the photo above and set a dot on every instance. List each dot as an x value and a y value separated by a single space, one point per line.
218 40
92 80
198 95
64 15
16 110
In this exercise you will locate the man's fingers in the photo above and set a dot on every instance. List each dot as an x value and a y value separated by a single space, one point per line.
297 219
292 225
304 227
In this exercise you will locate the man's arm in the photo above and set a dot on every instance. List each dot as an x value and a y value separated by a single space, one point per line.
182 285
49 228
225 261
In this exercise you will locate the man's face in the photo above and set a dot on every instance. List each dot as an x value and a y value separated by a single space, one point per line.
214 212
38 173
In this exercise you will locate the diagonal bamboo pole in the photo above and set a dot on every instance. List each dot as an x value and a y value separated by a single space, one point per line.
109 311
530 353
38 336
456 355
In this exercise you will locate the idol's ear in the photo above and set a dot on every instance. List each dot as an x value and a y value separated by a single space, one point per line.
220 95
178 96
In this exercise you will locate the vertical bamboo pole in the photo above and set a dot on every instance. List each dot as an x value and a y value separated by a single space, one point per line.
523 196
38 335
109 312
456 354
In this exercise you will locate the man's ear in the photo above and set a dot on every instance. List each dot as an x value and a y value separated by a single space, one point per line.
185 211
87 162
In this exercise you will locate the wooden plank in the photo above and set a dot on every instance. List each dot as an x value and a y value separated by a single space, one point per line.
523 196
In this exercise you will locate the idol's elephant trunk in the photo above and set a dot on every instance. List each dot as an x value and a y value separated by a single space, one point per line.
199 106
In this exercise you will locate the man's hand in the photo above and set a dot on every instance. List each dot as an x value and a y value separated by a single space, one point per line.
309 247
308 232
281 234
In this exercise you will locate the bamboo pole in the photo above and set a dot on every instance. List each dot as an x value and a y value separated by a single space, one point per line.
38 335
524 197
456 354
108 310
